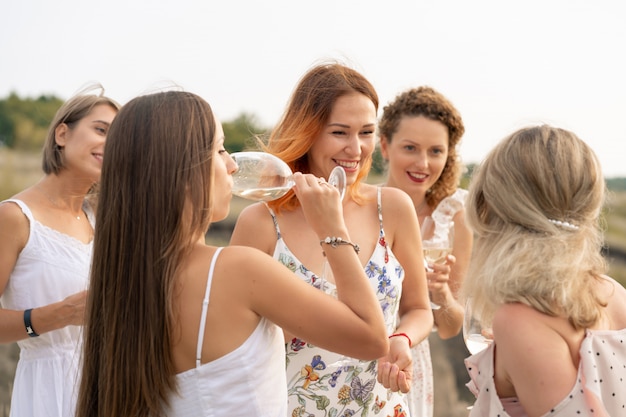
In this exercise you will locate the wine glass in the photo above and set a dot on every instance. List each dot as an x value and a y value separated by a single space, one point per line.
476 336
437 241
262 176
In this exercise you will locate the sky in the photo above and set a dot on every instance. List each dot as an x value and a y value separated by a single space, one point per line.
504 64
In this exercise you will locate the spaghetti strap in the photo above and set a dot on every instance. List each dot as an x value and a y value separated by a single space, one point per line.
205 306
379 198
275 220
25 209
381 233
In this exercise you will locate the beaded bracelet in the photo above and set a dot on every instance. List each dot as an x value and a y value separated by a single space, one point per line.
336 241
404 335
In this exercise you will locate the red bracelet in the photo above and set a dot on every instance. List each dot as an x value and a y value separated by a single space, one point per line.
402 334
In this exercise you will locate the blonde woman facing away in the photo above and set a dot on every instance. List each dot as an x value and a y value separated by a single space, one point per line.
537 278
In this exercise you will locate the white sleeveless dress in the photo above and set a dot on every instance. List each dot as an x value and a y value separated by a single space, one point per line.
51 267
249 381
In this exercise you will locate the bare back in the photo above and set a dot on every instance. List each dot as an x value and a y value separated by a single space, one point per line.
530 346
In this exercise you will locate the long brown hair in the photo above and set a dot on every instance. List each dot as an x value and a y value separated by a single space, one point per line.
155 203
306 116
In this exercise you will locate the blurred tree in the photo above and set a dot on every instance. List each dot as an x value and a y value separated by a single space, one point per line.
242 133
7 126
24 122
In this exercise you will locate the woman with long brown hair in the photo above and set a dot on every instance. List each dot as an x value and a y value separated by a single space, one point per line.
181 328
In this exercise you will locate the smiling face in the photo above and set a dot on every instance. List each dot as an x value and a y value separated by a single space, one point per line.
83 142
347 139
417 154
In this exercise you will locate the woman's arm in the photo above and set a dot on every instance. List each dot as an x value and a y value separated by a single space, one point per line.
449 316
415 312
352 324
446 280
415 316
255 228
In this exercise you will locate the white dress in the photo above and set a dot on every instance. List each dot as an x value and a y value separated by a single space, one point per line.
249 381
51 267
421 396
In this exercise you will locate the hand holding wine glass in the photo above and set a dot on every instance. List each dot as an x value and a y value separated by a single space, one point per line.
437 241
262 176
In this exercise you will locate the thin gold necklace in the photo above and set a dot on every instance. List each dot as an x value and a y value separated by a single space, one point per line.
54 202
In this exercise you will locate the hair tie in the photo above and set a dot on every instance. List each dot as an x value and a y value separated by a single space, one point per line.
564 225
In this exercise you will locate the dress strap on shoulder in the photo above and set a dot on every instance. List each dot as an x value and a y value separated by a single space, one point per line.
274 220
22 205
379 197
381 233
25 209
205 306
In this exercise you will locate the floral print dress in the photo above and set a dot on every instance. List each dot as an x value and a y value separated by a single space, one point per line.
324 383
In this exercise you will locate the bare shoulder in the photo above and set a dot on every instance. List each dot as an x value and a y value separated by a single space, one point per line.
234 259
245 264
521 330
254 210
513 317
612 288
396 199
254 227
398 214
511 310
256 214
14 231
13 222
234 254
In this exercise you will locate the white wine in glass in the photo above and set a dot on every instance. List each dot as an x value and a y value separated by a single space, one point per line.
437 241
264 177
476 337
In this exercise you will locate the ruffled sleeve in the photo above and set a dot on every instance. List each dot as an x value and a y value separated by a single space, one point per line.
443 215
449 206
